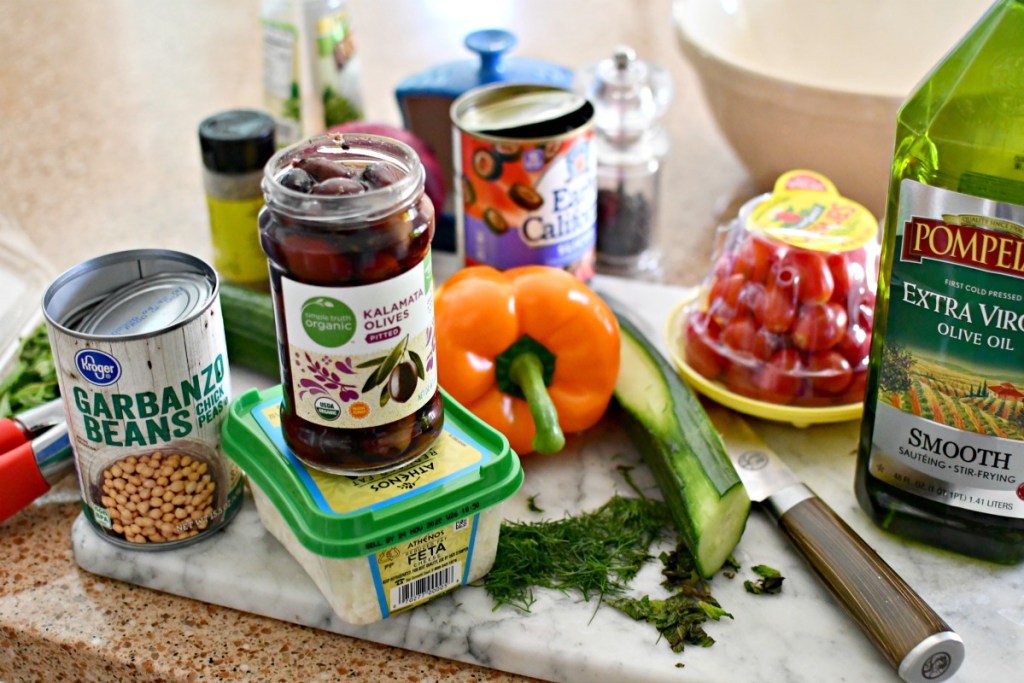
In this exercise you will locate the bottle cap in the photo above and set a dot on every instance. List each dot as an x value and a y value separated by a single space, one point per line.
237 141
629 94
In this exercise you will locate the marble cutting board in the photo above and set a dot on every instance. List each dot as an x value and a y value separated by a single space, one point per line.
800 636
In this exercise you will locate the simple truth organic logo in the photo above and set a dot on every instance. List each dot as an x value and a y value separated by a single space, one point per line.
328 322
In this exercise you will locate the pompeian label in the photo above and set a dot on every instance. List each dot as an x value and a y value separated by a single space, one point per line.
950 405
361 356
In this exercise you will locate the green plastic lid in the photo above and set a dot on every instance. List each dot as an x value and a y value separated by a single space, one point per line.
468 469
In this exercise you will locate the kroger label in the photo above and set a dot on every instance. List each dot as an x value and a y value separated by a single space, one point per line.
98 367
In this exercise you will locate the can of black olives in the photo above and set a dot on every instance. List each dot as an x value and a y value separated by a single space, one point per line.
139 348
526 177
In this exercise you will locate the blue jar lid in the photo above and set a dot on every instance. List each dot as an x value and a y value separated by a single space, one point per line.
454 78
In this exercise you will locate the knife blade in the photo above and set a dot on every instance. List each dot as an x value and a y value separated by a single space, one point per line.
914 639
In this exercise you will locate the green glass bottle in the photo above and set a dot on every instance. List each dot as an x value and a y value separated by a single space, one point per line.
941 453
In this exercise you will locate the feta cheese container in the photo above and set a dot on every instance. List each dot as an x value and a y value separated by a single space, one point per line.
379 544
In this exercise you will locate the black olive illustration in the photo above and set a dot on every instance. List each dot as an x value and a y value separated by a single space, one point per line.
486 165
495 221
468 192
402 383
525 196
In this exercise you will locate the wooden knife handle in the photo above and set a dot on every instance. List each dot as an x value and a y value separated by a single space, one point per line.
912 637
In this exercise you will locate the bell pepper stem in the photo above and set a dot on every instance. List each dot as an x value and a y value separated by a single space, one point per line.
527 372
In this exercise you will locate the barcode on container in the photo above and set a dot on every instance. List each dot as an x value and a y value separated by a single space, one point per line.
426 586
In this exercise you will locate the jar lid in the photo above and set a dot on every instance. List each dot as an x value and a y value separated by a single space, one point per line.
236 141
492 65
629 94
805 210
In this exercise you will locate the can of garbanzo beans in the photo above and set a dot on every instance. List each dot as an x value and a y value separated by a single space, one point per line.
138 343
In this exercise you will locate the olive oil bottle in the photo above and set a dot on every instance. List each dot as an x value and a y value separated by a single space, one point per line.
941 453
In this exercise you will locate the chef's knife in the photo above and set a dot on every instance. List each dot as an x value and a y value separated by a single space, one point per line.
912 637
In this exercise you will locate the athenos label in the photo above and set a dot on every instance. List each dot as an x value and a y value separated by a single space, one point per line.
361 356
950 405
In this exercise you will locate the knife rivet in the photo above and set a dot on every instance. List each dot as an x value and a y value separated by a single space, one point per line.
752 460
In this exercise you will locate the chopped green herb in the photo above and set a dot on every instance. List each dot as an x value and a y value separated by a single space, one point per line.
33 379
595 553
769 583
678 618
531 504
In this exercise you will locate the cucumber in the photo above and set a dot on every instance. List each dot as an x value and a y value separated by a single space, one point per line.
683 450
249 329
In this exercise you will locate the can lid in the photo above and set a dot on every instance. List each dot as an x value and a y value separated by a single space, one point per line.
470 468
237 141
151 304
515 107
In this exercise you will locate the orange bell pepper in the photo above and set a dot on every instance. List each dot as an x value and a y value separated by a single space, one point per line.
531 351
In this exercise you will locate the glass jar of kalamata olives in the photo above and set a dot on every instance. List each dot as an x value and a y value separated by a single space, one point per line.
347 229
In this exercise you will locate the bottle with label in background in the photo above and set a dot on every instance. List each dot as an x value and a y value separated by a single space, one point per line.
630 96
941 455
311 72
282 94
334 64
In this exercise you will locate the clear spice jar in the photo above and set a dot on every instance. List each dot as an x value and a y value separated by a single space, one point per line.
629 97
347 228
235 145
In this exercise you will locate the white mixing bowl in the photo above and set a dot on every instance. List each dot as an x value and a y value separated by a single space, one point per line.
817 84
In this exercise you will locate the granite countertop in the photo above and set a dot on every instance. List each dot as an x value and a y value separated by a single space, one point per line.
98 143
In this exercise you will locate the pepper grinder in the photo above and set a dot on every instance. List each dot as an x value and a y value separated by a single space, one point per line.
629 96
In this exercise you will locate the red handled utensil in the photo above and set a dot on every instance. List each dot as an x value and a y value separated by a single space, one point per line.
17 430
31 468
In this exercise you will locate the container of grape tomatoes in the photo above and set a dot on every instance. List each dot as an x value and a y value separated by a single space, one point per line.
526 178
347 230
782 326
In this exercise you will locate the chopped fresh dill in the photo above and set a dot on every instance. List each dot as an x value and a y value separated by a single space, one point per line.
770 582
531 504
595 553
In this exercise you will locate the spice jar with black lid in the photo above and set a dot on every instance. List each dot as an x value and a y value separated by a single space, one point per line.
236 145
